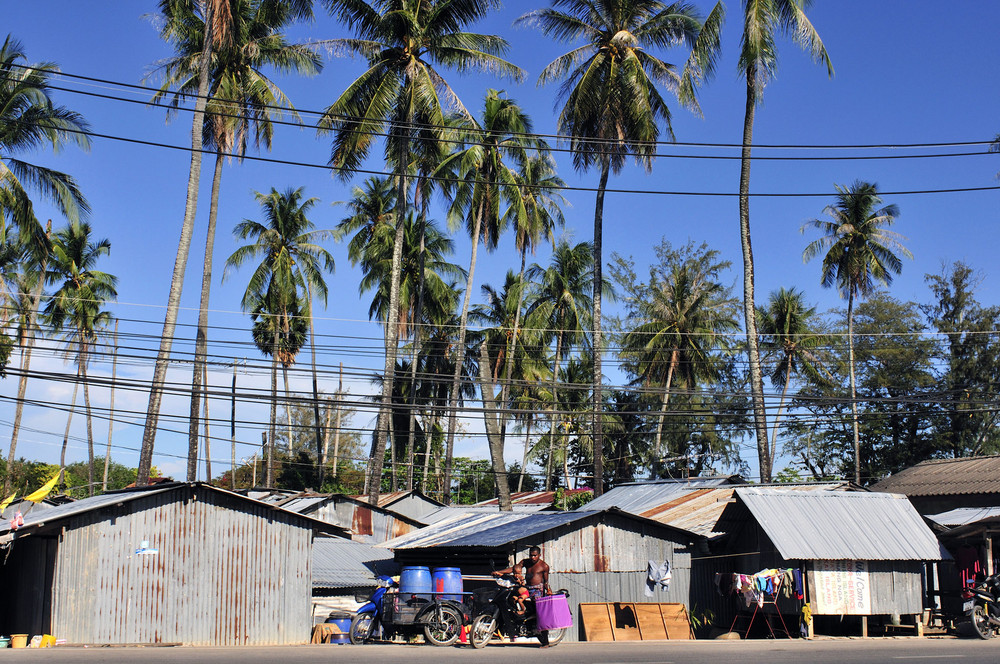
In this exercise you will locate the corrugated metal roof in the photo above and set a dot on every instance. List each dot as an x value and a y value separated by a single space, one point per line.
342 563
637 497
67 510
485 530
965 515
499 529
447 513
945 477
836 525
699 510
540 498
387 499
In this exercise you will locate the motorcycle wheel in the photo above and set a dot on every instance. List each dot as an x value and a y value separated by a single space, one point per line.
556 635
443 628
482 630
981 621
362 628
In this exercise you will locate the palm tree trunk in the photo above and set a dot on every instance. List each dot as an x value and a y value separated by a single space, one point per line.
69 421
524 458
340 410
180 262
598 401
460 358
232 434
749 308
511 349
777 415
555 406
391 338
288 408
208 435
201 336
487 386
22 382
415 355
320 450
854 388
269 472
326 446
111 410
90 420
665 402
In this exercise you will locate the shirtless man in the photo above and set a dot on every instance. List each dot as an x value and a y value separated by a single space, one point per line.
533 570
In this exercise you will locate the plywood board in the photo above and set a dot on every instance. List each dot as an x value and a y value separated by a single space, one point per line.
624 622
596 622
675 619
633 621
651 623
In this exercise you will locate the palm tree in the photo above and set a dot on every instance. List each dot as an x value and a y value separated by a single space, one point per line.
791 344
612 107
376 269
282 343
562 304
486 172
243 102
424 293
76 304
217 32
403 41
496 317
291 264
28 121
535 218
860 253
682 320
763 20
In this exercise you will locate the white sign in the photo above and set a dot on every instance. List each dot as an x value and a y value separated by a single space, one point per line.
841 587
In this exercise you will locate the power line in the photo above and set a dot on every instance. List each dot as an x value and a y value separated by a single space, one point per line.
418 126
607 190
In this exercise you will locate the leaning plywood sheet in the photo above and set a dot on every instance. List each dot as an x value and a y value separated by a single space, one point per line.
635 621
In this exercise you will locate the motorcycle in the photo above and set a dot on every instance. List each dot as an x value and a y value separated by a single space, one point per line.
496 611
367 622
982 605
387 613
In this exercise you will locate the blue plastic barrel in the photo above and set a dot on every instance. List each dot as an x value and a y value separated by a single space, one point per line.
447 582
415 580
341 631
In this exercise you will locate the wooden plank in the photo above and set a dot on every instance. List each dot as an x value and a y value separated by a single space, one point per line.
676 622
624 624
596 622
651 625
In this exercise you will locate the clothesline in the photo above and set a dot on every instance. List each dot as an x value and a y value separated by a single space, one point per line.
763 586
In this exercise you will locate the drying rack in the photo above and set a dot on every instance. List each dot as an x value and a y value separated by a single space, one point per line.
769 598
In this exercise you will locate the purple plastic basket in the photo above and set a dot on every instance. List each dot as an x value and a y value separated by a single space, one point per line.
553 612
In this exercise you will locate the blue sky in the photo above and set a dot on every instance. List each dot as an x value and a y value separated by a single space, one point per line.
906 73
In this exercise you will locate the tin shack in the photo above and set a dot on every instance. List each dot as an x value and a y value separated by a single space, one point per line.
859 555
598 556
172 563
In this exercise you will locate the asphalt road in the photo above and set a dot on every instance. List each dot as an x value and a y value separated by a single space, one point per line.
820 651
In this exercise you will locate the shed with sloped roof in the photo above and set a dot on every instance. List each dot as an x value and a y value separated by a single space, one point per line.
939 485
599 556
861 554
171 563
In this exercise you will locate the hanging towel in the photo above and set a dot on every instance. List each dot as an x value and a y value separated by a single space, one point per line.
657 576
797 573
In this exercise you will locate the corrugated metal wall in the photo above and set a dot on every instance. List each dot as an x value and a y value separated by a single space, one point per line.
234 575
366 525
26 580
607 562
